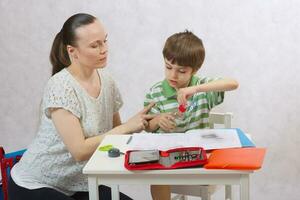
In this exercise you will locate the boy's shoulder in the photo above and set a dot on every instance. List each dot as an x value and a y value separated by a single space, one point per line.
157 87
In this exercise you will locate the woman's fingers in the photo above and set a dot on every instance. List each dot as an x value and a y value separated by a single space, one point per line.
147 108
149 116
145 123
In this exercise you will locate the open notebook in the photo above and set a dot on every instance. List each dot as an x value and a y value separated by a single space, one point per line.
206 138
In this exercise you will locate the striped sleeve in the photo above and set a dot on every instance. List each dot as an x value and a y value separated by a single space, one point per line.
148 99
214 98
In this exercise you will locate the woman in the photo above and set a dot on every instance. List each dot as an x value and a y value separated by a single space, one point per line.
80 106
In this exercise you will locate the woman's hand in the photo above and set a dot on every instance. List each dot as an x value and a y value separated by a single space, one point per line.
184 93
139 121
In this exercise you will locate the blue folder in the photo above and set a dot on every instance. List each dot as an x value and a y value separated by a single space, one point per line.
245 141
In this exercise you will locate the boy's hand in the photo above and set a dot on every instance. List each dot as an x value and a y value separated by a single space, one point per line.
166 122
184 93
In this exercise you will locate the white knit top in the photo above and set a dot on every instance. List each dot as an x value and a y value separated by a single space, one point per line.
47 162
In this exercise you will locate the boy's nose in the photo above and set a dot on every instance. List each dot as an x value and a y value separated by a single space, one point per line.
174 74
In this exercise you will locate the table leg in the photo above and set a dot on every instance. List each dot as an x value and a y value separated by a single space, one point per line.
93 188
244 187
115 194
228 192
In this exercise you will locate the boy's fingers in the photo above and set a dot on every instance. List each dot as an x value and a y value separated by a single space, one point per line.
147 108
181 100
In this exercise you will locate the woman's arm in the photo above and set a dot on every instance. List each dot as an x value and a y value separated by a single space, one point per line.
81 148
116 119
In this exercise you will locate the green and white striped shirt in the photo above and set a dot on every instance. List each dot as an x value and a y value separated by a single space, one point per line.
199 105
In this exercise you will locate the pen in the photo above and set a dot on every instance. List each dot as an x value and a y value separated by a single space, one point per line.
129 140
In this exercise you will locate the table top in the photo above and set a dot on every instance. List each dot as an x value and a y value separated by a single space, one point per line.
100 163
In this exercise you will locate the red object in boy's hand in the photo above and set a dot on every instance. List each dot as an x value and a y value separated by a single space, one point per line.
182 108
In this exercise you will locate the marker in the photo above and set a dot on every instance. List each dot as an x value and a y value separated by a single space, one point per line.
129 140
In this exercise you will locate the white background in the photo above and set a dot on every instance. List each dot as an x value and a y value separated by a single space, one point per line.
255 42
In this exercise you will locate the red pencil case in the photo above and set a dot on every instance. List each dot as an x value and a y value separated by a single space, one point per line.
170 159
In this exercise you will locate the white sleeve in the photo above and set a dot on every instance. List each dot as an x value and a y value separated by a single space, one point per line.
60 94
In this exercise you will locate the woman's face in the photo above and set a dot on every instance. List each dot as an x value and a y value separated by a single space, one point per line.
91 50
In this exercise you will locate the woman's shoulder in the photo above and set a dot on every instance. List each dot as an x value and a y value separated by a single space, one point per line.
61 76
59 83
60 79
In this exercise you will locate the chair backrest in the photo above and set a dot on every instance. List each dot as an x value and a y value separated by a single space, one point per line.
7 161
223 119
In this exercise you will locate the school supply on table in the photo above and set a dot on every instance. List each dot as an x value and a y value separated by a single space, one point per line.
170 159
145 156
207 138
129 140
111 150
105 147
114 152
237 159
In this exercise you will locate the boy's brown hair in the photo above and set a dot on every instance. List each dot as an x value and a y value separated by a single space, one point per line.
184 49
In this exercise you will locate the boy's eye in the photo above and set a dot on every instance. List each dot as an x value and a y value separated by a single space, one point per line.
168 67
105 40
182 71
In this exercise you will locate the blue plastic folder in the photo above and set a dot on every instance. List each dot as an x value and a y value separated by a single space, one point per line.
245 141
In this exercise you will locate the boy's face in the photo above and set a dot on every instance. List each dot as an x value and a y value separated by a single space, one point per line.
178 76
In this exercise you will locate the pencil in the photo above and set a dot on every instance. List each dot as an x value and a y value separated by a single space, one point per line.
129 140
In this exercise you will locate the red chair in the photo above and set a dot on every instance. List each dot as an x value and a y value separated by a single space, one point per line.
7 161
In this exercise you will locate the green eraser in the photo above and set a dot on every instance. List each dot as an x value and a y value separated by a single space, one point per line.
105 148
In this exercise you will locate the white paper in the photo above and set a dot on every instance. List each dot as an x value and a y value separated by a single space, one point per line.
206 138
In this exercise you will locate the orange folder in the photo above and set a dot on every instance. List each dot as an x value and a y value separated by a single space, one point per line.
236 158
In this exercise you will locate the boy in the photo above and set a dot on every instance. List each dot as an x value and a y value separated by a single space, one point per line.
183 55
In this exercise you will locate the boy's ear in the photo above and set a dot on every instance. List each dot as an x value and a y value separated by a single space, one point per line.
194 71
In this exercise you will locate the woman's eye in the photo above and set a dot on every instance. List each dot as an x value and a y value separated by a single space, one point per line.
94 46
168 67
181 71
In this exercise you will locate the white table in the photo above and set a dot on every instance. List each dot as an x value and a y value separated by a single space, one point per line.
102 169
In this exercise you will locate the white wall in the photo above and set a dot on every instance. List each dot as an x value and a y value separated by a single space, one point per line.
255 42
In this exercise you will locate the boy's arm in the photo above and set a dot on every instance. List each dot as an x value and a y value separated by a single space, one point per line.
165 121
225 84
